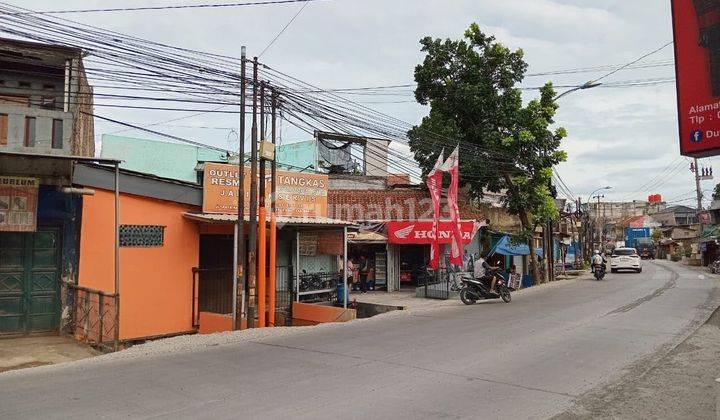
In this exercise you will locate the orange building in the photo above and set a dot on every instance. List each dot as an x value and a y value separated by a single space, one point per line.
176 262
159 248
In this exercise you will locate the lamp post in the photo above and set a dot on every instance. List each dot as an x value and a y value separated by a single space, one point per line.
597 215
587 85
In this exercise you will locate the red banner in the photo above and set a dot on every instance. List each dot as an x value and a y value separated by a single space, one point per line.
696 25
421 232
452 165
434 183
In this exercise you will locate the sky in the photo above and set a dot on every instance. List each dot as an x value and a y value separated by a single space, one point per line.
624 137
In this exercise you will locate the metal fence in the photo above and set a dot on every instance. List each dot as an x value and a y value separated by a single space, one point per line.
442 284
93 317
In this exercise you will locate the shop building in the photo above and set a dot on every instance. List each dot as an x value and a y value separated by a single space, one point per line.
176 259
40 213
400 220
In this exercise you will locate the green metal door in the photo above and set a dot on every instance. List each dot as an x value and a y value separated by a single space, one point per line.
29 281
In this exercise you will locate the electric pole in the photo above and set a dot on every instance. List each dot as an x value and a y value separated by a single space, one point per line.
239 284
597 221
252 239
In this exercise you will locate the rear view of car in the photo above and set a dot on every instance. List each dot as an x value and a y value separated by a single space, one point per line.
625 259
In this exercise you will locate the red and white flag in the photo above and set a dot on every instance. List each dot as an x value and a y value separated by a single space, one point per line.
452 165
434 184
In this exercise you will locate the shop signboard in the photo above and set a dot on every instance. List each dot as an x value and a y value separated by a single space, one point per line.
298 194
421 232
696 25
18 204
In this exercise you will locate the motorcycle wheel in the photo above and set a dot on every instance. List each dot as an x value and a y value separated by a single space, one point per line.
465 298
505 294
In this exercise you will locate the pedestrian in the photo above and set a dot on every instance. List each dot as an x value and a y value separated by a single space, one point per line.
364 270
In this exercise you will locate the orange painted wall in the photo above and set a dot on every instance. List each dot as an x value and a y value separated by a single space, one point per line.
310 314
156 282
212 323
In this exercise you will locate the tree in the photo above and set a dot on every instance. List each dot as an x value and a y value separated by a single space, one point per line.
716 192
471 87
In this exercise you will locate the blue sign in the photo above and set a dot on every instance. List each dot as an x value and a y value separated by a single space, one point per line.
696 136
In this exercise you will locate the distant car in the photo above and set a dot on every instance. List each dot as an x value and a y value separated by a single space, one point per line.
625 259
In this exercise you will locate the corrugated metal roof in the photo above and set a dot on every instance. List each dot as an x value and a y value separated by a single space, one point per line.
293 221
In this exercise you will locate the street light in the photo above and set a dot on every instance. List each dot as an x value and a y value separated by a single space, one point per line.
587 85
599 189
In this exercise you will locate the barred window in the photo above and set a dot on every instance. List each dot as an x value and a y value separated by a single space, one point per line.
142 235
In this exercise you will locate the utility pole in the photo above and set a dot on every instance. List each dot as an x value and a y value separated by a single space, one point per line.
698 191
597 221
273 222
240 286
262 244
252 240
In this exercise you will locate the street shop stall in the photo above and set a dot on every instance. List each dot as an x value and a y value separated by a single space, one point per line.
409 245
514 253
373 247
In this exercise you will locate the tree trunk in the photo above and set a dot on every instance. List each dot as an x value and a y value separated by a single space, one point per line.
527 226
534 266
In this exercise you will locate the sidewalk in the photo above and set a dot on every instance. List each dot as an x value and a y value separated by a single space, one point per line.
408 301
24 352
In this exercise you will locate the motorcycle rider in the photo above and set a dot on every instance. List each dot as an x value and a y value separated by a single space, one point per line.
483 272
599 260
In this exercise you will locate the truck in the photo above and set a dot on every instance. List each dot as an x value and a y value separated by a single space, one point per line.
641 240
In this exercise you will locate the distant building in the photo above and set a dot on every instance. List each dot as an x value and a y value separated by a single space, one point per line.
46 103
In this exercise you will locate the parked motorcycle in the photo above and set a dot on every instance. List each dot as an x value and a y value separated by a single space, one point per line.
715 266
474 290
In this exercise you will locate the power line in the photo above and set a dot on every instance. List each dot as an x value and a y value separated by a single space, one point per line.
283 29
173 7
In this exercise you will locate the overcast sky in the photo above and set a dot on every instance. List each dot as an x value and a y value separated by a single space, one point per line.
621 137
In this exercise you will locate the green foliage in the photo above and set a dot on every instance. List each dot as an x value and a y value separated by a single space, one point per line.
657 235
471 87
716 192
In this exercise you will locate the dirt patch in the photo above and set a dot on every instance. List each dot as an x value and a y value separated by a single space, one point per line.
679 386
26 352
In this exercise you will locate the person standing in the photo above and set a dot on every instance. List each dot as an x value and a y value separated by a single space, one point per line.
364 270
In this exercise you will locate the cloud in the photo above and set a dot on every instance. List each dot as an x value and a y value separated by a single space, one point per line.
621 136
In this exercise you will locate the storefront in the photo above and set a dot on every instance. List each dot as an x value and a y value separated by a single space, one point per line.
39 240
409 247
374 248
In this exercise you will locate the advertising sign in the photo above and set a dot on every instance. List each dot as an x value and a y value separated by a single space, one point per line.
18 204
696 25
421 232
298 194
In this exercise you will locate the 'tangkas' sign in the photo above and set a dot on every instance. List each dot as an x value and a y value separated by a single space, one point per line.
298 194
696 25
421 232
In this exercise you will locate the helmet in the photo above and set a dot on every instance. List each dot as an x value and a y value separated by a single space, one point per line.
597 252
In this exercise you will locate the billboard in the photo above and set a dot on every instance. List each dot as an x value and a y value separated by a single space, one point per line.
298 194
696 28
18 204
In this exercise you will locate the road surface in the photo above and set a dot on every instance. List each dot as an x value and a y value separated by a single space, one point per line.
529 359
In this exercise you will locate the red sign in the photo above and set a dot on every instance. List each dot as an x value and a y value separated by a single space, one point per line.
421 232
696 25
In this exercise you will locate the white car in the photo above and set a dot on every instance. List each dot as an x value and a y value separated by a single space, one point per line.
625 259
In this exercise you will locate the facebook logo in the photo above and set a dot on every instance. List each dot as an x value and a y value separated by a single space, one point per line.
696 136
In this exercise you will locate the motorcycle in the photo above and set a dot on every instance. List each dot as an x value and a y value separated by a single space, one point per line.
599 272
474 290
715 266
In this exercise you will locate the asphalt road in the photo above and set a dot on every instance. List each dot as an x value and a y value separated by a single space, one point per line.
529 359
